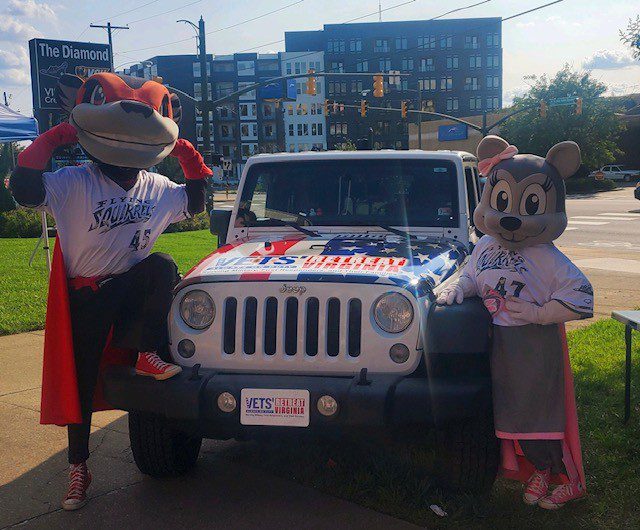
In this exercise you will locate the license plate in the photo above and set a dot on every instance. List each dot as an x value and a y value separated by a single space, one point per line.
263 406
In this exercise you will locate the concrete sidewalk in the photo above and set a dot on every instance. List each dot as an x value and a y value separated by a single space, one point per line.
218 494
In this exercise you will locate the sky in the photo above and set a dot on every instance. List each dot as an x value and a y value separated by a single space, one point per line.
578 32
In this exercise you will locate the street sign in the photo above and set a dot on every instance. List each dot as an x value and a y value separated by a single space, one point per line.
562 102
227 165
599 175
292 89
449 133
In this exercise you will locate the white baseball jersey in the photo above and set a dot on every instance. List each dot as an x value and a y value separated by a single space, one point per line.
537 274
103 228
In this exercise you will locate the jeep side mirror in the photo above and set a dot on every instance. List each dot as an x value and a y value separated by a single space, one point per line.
219 224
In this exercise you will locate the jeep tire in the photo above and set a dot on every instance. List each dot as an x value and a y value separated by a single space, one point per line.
467 455
159 449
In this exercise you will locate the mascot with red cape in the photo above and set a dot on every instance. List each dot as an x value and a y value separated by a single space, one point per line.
531 289
108 295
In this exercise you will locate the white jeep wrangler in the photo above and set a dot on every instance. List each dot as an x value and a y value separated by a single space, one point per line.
317 313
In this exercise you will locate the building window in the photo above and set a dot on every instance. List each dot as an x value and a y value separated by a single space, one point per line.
475 103
338 129
385 64
475 61
407 63
224 89
197 72
471 83
249 150
362 65
227 131
268 110
249 130
247 110
335 46
446 42
404 85
493 81
268 130
452 62
381 45
337 87
337 66
314 129
427 84
493 103
493 61
288 68
290 110
225 111
401 43
320 131
355 45
246 68
428 42
446 83
493 39
268 65
222 66
452 103
471 42
291 131
197 91
426 64
248 95
356 86
301 109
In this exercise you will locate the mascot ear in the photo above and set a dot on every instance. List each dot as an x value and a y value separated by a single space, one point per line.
565 157
176 108
490 146
67 90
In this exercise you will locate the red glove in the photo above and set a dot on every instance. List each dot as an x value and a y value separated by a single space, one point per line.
191 161
38 154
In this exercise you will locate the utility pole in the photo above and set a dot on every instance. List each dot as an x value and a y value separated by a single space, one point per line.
6 101
206 126
420 118
109 29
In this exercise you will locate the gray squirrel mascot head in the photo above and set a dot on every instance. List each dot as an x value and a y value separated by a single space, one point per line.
523 201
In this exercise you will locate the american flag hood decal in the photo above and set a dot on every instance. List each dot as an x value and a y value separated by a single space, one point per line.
418 265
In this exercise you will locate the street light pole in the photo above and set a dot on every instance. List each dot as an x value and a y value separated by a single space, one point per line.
420 119
109 29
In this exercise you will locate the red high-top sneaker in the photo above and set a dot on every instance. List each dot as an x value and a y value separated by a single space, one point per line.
79 481
561 495
537 487
151 365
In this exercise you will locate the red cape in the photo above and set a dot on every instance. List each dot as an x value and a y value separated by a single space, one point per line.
515 466
60 404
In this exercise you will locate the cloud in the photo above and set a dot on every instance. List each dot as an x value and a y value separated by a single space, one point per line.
10 59
15 30
15 77
29 9
609 60
515 92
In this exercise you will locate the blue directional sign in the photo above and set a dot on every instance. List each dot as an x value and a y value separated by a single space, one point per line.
449 133
292 92
272 90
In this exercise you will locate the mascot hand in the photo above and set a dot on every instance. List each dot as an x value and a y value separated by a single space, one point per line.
191 161
38 154
453 293
552 312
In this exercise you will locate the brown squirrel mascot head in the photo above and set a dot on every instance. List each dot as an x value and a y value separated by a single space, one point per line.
523 201
122 121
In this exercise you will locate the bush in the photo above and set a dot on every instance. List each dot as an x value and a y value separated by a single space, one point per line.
6 199
197 222
21 223
588 185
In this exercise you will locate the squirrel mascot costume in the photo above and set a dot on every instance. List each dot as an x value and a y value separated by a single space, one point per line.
531 289
108 295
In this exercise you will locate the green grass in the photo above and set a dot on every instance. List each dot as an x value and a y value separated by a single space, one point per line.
395 478
24 288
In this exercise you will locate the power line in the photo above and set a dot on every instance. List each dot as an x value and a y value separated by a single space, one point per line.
126 12
165 12
460 9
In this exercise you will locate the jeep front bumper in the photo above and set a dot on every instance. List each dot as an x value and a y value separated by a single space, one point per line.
190 399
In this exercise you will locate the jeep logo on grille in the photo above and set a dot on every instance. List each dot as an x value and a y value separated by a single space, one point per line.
293 289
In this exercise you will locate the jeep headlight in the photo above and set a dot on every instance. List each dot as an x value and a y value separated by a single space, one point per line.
393 312
197 309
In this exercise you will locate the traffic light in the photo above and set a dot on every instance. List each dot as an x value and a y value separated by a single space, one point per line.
311 83
403 109
326 107
578 106
364 106
335 107
543 109
378 85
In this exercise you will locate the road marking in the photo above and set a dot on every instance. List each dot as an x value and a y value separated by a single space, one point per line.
570 228
610 264
587 223
625 214
603 218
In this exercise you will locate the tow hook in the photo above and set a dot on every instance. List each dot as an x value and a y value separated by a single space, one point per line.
195 375
362 378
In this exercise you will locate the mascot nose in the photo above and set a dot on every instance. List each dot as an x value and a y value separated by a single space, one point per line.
140 108
510 223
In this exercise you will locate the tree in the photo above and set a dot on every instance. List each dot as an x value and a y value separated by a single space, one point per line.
170 167
631 36
6 199
596 130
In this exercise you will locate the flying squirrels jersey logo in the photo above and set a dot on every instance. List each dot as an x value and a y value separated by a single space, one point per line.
119 211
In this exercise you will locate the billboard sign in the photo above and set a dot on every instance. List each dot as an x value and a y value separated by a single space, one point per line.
450 133
50 59
272 90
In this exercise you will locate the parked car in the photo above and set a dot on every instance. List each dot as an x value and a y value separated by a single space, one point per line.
636 192
616 172
317 315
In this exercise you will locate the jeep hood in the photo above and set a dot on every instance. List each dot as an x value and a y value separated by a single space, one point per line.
418 265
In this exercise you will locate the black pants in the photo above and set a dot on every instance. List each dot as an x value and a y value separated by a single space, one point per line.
135 305
544 454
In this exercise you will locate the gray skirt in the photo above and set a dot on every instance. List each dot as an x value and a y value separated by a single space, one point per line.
527 370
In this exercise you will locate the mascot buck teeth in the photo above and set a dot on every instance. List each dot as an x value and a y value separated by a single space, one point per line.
108 295
530 288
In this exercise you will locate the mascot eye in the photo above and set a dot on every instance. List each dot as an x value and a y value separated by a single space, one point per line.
97 96
501 196
164 108
534 200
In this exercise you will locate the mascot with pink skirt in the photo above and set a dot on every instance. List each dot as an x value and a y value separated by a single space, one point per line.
531 289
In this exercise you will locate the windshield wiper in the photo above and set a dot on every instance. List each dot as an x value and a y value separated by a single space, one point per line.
294 225
398 232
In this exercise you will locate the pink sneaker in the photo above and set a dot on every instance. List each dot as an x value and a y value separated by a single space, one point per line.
537 487
79 481
561 495
151 365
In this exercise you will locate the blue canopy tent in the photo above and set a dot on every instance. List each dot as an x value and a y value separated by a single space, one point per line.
14 127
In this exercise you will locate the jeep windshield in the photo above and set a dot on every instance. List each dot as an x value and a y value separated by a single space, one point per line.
352 192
